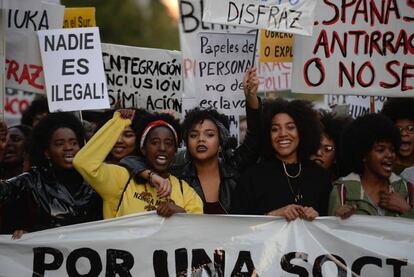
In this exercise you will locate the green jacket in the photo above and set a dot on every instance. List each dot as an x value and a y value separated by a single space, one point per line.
348 190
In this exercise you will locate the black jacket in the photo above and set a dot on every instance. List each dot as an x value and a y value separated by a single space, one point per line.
231 166
51 202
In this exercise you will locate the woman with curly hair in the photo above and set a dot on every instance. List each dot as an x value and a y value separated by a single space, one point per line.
13 164
328 155
57 194
158 140
401 112
286 183
210 172
369 145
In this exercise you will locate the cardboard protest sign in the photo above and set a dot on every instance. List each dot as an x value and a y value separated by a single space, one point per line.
143 77
15 102
272 76
74 73
360 48
288 16
79 17
276 47
357 105
24 68
223 61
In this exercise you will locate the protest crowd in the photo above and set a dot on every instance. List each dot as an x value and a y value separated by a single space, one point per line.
295 162
116 131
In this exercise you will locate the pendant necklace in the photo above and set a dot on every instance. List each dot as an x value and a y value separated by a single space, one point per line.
298 197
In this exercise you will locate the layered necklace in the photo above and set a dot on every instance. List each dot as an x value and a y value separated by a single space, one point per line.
297 195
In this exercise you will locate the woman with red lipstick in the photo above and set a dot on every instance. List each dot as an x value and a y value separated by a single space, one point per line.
56 193
369 145
159 137
206 133
401 112
285 182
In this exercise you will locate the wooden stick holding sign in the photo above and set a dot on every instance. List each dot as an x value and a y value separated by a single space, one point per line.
372 104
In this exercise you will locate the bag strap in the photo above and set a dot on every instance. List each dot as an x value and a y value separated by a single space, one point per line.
342 193
410 193
181 186
123 191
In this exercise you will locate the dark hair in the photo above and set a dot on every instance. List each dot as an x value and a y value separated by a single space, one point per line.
136 121
151 117
399 108
38 106
198 115
333 127
306 120
26 130
361 135
43 132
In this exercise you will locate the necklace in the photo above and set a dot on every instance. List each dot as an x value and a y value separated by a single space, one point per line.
298 197
294 176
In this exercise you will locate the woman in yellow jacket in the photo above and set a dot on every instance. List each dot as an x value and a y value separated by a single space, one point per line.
159 138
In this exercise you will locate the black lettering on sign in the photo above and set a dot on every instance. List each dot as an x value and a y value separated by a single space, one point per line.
39 260
396 264
89 254
285 263
181 262
244 258
338 261
201 262
32 20
118 263
160 263
82 41
363 261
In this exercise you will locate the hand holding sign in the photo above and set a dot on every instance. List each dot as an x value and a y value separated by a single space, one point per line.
251 85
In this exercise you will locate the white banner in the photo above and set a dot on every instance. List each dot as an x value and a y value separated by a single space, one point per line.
358 48
222 63
287 16
74 73
203 245
24 70
143 77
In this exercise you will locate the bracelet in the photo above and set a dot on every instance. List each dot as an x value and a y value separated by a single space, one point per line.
150 173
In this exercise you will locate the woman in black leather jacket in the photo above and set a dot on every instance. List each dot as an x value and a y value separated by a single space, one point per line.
212 175
54 191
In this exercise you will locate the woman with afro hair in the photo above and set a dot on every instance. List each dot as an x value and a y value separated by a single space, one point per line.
328 155
369 152
158 138
210 172
286 182
56 193
401 112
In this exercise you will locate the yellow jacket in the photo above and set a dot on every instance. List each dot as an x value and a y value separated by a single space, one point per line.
110 181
